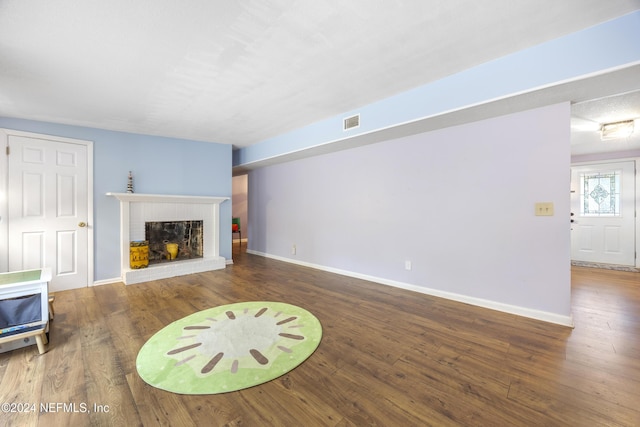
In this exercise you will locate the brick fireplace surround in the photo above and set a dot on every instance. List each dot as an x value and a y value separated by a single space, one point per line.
136 209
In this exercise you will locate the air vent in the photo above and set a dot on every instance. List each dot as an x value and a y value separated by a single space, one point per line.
351 122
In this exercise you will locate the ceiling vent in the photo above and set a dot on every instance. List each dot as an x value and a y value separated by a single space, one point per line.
351 122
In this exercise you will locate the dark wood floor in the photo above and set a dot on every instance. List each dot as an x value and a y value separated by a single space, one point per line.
388 357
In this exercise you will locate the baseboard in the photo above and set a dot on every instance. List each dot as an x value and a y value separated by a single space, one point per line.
493 305
604 266
106 281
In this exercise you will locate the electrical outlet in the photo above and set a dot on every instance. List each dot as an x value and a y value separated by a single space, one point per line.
544 209
293 250
407 265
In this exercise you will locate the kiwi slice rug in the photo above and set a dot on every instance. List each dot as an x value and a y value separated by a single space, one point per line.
229 348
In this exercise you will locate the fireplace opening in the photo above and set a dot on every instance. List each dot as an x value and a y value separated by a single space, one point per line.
165 237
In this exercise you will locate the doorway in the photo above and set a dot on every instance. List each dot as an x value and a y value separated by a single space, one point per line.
46 214
603 206
240 209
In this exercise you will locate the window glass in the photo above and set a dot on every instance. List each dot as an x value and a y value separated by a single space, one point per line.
600 193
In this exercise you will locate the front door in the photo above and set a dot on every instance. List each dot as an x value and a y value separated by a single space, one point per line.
48 208
603 207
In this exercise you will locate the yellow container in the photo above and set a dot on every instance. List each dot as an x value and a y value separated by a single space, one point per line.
139 254
172 250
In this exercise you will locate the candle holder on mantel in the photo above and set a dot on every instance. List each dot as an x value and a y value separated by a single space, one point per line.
130 183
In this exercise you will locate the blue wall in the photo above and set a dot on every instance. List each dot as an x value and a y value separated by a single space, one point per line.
159 166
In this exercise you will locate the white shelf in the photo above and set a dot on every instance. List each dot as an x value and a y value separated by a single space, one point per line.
166 198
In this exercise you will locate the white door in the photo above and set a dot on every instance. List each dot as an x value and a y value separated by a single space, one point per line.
48 211
603 207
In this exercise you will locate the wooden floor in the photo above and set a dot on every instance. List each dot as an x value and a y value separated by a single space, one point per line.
388 357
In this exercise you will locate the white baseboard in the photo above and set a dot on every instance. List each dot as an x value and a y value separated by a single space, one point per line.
106 281
493 305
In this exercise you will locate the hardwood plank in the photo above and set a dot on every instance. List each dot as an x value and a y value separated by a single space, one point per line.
64 376
562 405
21 387
157 407
387 356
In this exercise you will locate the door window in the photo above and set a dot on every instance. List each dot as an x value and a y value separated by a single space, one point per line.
600 193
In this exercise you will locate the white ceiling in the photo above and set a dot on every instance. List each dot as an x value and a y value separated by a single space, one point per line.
239 72
588 117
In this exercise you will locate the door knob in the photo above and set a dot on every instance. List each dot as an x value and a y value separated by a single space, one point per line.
82 224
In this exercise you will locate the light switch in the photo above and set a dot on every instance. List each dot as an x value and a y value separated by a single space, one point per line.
544 209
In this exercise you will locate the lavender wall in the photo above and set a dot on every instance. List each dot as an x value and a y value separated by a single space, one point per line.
160 166
458 203
596 157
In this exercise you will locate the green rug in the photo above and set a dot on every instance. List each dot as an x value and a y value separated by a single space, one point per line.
229 348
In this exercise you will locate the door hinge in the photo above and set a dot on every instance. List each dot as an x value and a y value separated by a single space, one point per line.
8 150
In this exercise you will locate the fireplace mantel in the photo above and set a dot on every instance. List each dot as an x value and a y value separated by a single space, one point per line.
136 208
166 198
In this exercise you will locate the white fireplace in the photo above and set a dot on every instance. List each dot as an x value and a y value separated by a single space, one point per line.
137 209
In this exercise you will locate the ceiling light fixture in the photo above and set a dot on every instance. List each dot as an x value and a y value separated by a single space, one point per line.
616 130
